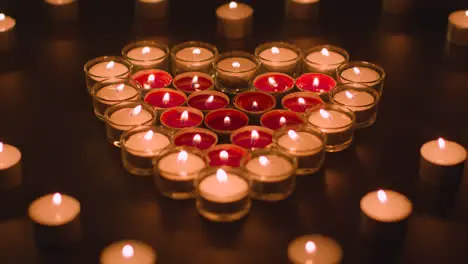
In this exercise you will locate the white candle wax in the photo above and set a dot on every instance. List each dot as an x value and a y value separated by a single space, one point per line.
234 11
315 249
446 153
125 118
223 190
237 67
304 143
234 19
325 60
195 54
59 2
6 23
278 59
116 92
128 252
355 100
386 206
9 156
361 75
330 121
458 27
459 18
107 70
54 209
269 167
180 169
144 56
146 144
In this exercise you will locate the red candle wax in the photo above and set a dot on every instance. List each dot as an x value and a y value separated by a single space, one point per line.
196 137
254 102
208 100
252 137
276 119
193 81
315 82
181 117
165 98
225 120
226 154
299 102
273 82
152 78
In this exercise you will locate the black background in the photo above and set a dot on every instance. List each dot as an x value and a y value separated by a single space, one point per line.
46 111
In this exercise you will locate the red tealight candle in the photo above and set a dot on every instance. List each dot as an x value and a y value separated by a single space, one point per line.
252 137
165 98
181 117
299 102
225 120
152 78
208 100
315 82
254 102
226 155
274 82
196 137
276 119
190 82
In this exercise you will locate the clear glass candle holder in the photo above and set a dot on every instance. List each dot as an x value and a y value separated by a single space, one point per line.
272 173
279 57
125 116
113 91
176 169
361 99
193 56
106 67
141 145
147 54
222 194
336 122
362 72
234 71
305 143
324 59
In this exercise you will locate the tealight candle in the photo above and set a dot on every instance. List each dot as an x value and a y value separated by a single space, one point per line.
274 83
113 91
128 252
442 163
193 56
59 2
279 57
226 155
363 73
324 59
189 82
56 220
458 28
106 67
317 83
252 137
314 249
206 101
124 116
181 117
254 104
362 100
141 145
384 214
6 23
223 121
152 9
147 54
176 170
272 173
223 194
196 137
277 119
234 71
234 20
337 122
300 102
302 9
305 143
152 79
165 98
10 167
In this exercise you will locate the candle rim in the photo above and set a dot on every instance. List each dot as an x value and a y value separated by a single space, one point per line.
145 43
247 93
102 59
194 44
363 64
278 44
346 87
329 47
130 105
141 129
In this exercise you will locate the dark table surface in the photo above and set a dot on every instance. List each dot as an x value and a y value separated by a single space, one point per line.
46 111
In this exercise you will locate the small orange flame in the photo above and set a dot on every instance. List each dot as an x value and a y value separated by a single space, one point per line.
120 87
272 81
210 100
136 110
149 135
349 94
264 160
233 5
275 50
196 51
1 146
382 196
57 199
145 50
166 98
254 105
441 143
254 135
110 65
301 101
182 157
127 251
227 121
224 155
316 82
325 113
310 247
293 135
221 176
151 78
195 79
466 13
235 64
325 52
282 121
2 17
196 139
356 70
184 116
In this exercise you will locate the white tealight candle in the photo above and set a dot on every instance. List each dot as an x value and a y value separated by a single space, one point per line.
386 206
107 69
6 23
234 20
304 143
330 121
59 2
223 187
193 59
314 249
355 100
128 252
324 60
114 93
458 28
236 67
146 55
180 166
278 59
270 168
360 75
10 166
126 118
146 144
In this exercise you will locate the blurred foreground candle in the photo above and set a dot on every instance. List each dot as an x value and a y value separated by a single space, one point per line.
223 194
299 102
176 170
314 249
305 143
10 167
56 220
279 57
6 23
206 101
254 104
225 120
147 54
152 9
128 252
193 56
337 122
234 20
190 82
397 7
458 28
165 98
272 173
317 83
141 145
252 137
234 71
152 79
275 83
362 72
106 67
181 117
302 9
384 215
195 137
276 119
226 155
324 59
59 2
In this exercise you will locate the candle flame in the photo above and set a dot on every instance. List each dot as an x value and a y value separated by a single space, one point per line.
254 135
149 135
235 64
57 199
145 50
1 146
166 98
325 113
325 52
221 176
151 78
316 82
224 155
127 251
196 139
264 160
110 65
272 81
254 105
196 51
349 95
382 196
293 135
233 5
120 87
441 143
227 121
301 101
136 110
310 247
210 99
182 157
282 121
194 79
356 70
466 13
275 50
2 17
184 116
